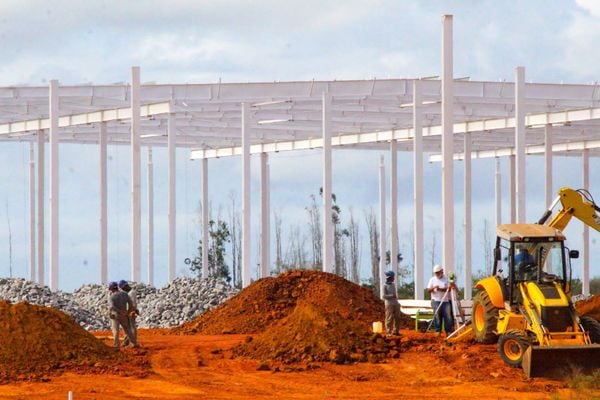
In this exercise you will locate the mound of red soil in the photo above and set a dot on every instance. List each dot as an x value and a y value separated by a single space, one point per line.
268 300
37 341
311 334
589 307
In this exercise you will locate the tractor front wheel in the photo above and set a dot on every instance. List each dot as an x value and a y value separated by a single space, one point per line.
512 346
592 327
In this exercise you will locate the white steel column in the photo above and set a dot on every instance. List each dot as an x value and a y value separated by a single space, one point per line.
265 222
520 142
498 190
585 273
418 191
41 138
246 205
205 218
394 208
172 196
327 213
136 210
103 205
513 190
548 165
54 182
150 199
447 146
382 227
468 224
32 272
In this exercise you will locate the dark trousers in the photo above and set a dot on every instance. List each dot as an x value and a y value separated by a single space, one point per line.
444 313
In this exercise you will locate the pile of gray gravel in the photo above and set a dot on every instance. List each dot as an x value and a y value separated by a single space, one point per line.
181 300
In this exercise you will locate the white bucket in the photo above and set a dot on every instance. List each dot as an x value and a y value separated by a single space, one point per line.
377 327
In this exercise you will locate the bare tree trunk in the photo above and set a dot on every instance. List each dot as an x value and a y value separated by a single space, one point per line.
234 229
278 252
373 229
433 248
354 239
296 253
314 213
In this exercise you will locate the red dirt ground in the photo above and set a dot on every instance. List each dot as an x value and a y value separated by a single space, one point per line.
37 342
200 367
303 320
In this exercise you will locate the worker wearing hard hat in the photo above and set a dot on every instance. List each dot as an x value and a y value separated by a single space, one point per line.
438 287
133 312
392 307
119 304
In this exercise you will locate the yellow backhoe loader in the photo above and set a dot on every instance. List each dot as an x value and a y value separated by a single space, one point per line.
525 306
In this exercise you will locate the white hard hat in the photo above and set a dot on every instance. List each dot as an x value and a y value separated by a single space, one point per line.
437 268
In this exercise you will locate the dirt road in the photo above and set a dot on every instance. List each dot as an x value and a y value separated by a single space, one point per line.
199 366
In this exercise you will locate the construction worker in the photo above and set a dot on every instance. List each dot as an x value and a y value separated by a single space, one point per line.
119 304
439 289
392 307
133 312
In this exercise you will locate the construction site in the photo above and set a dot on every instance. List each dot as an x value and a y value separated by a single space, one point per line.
516 318
292 336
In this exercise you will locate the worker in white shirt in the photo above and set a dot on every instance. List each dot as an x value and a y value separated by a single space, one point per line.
438 288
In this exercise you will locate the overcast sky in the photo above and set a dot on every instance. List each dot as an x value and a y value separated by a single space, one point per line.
180 41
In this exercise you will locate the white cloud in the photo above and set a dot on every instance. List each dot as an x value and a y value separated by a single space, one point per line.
591 6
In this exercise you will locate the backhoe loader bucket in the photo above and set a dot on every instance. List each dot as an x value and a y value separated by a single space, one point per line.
558 360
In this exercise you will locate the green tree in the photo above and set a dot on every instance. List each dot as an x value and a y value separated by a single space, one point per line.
219 235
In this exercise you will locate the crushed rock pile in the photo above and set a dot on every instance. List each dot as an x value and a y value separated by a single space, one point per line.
181 300
16 290
310 334
38 341
268 300
589 307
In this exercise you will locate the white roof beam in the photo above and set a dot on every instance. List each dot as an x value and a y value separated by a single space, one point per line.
83 119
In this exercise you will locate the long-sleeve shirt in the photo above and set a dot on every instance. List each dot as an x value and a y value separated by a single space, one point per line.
119 303
390 295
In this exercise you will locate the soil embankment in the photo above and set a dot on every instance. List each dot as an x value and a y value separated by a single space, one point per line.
37 342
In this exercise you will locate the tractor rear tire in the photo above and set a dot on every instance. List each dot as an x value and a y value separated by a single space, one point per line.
485 318
512 346
592 327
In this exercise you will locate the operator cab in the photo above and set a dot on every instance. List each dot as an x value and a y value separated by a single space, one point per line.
531 253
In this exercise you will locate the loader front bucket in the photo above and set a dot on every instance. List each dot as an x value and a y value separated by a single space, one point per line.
558 360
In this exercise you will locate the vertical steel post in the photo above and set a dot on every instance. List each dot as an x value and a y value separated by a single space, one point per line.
265 222
382 227
41 138
585 275
150 200
394 208
102 140
418 191
520 142
54 185
548 165
468 225
447 146
498 191
32 271
246 201
205 221
136 210
513 190
328 263
172 195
